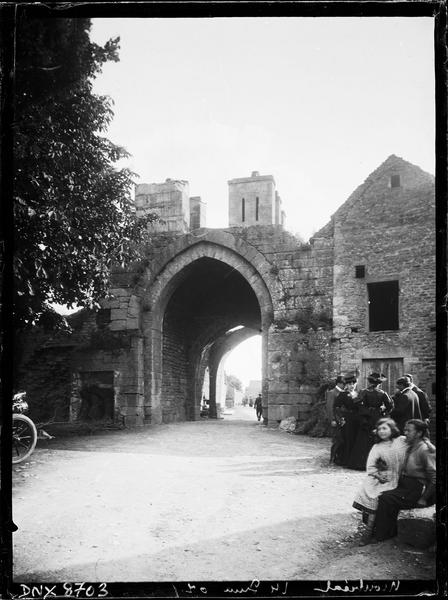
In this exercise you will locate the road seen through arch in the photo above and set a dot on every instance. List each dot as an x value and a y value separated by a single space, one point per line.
216 500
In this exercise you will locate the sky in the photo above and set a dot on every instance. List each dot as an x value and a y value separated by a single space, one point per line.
319 103
245 361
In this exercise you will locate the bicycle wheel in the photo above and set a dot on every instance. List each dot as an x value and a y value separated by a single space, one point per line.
24 437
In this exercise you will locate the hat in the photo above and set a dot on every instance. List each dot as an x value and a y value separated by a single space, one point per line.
350 378
404 381
409 376
376 378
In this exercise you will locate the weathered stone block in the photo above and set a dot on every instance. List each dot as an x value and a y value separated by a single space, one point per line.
282 411
133 307
118 313
117 325
305 399
134 420
276 387
417 527
132 323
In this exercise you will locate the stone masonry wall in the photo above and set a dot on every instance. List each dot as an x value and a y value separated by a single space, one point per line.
175 372
391 232
47 382
298 345
301 354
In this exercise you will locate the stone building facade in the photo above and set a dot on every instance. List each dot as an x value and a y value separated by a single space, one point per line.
360 295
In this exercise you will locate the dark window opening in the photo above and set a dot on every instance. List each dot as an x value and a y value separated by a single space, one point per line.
103 317
395 181
383 305
243 210
360 271
257 207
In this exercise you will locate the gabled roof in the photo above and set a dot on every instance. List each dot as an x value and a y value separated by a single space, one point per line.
392 164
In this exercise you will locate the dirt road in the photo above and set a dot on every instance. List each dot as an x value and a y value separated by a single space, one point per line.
214 500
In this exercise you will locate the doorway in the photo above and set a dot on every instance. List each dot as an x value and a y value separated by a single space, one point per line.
392 368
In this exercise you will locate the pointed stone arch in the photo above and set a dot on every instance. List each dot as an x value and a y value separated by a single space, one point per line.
218 351
172 271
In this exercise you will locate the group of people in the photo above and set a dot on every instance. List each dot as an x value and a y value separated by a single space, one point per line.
353 415
401 474
389 438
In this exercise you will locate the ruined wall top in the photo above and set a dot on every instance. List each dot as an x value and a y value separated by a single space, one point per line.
169 200
252 201
254 177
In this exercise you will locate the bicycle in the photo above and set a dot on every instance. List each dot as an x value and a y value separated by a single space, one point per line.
24 432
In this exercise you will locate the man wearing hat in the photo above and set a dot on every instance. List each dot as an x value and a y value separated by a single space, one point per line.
346 412
406 404
330 397
425 407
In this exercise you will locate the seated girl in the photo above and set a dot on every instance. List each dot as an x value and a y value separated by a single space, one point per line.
384 465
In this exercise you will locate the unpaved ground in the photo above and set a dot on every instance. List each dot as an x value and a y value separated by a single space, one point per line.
213 500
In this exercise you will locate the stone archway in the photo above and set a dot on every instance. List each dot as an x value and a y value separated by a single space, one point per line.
198 295
217 353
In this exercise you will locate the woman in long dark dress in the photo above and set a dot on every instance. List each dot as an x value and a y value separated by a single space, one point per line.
346 411
374 403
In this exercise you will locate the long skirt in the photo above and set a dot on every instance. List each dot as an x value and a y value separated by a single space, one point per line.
349 432
363 442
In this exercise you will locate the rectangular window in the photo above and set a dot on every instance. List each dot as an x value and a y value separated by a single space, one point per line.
383 305
243 210
395 181
257 207
360 271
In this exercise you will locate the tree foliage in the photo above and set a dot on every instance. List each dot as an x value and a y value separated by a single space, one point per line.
74 217
233 381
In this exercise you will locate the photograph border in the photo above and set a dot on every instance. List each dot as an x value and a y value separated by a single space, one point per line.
387 9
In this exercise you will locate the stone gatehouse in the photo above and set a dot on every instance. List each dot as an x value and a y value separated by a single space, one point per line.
360 295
